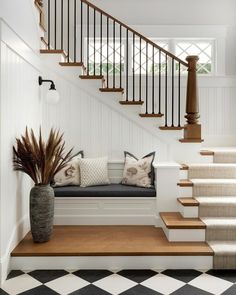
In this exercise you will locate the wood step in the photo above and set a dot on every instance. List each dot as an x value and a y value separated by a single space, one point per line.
188 202
185 183
71 64
174 220
111 89
110 240
171 128
183 140
91 77
184 167
206 153
151 115
130 102
53 51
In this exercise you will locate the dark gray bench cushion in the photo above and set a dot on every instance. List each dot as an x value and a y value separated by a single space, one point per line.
112 190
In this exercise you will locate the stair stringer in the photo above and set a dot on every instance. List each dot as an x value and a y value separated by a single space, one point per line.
169 148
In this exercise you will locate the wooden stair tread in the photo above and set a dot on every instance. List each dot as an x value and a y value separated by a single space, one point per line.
111 89
130 102
109 241
206 153
184 167
53 51
188 201
151 115
91 77
71 64
171 128
185 183
174 220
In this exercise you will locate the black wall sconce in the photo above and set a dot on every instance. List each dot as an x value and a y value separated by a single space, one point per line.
52 96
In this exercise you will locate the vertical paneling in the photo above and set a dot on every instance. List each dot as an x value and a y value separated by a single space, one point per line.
20 106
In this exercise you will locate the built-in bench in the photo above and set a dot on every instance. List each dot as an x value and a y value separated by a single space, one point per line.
107 204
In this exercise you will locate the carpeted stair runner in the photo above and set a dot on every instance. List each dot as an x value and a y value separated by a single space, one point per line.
214 187
225 156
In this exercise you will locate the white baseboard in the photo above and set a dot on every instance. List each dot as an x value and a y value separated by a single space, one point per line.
113 262
20 230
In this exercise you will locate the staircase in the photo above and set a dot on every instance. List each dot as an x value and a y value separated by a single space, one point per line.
127 63
208 213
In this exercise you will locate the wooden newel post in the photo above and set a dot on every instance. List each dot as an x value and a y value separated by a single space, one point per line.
192 130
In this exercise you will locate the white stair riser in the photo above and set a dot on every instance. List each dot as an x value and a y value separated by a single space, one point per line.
188 211
184 235
113 262
185 191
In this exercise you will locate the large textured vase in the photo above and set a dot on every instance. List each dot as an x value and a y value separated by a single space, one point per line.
41 212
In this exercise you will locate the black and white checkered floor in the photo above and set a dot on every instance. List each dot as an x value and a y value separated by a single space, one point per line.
125 282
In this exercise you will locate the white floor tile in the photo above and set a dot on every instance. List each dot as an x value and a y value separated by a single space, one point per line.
20 284
163 284
115 284
67 284
210 284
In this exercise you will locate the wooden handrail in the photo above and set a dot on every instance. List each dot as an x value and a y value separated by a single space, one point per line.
136 33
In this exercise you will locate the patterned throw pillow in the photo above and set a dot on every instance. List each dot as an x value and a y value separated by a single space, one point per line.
69 175
94 171
138 172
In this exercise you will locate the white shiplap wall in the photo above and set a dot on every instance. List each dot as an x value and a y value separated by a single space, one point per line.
20 106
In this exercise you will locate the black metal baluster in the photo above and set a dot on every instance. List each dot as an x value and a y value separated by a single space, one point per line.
173 91
140 67
179 96
94 42
62 24
153 86
133 68
114 34
101 44
68 31
127 64
88 70
159 82
81 32
49 24
120 56
107 51
75 10
166 94
146 78
55 24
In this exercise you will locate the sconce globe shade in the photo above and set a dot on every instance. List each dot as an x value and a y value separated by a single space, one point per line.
52 97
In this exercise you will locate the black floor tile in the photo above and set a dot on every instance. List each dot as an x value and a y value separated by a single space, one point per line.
190 290
225 274
92 275
137 275
46 275
14 273
90 290
3 292
41 290
230 291
140 290
184 275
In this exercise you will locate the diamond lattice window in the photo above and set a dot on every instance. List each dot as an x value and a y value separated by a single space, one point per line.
103 56
146 58
201 48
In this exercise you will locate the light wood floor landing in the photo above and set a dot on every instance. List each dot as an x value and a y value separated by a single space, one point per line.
109 241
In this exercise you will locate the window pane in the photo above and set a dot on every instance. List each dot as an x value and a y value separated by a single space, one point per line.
201 48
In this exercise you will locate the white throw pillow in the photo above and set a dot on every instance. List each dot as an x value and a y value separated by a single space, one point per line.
94 171
138 172
70 174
